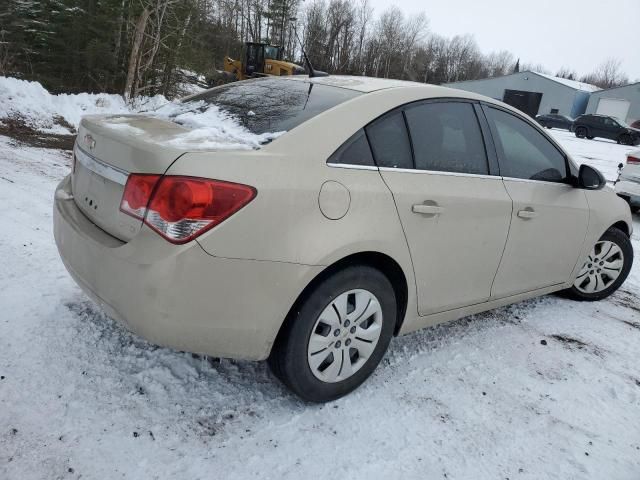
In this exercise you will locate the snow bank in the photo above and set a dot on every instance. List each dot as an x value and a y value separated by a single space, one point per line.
42 111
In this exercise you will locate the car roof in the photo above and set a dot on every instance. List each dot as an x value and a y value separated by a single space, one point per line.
357 83
373 84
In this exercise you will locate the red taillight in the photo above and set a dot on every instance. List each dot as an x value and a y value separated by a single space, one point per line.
182 208
633 160
137 193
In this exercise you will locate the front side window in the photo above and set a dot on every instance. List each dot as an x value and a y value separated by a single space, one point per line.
446 137
523 151
390 142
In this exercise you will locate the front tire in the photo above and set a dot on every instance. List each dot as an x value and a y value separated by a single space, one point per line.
581 132
625 140
605 269
337 336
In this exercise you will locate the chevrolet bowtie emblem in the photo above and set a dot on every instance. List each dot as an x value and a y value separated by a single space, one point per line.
89 141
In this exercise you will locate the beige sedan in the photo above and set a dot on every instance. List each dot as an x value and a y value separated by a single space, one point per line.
307 221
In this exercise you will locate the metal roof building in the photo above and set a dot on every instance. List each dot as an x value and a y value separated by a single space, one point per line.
620 102
534 93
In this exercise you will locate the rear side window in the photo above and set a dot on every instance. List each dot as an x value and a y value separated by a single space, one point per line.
523 151
354 151
446 137
390 141
269 105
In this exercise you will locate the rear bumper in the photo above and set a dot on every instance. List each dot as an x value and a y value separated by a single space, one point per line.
178 296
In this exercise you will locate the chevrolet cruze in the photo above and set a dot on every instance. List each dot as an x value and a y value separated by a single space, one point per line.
309 220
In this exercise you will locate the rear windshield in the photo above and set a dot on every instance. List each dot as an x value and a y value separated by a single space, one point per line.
269 105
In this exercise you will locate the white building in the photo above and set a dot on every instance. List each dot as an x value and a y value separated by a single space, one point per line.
619 102
534 93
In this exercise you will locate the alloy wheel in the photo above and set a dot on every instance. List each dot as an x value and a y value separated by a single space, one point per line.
603 266
344 336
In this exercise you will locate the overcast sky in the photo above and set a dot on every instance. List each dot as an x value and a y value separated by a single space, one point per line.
576 34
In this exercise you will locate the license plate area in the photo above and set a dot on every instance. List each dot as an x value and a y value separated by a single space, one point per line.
97 191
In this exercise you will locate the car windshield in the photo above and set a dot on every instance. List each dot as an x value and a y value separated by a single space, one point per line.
269 105
622 123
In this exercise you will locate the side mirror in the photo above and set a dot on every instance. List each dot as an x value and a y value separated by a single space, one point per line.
590 178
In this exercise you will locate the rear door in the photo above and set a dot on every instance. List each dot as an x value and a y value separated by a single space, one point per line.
453 207
550 217
597 127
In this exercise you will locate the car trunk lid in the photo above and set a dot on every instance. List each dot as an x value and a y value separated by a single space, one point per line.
107 150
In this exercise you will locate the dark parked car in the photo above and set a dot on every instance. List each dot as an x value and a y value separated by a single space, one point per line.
555 120
591 126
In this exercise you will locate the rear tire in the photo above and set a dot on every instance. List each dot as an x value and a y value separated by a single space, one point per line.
348 318
581 132
606 268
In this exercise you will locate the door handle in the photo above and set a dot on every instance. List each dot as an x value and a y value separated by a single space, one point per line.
426 209
527 214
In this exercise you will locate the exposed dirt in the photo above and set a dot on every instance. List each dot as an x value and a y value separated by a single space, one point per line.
571 341
574 343
17 129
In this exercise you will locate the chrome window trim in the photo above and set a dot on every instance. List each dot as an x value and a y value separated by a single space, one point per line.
352 166
437 172
529 180
100 168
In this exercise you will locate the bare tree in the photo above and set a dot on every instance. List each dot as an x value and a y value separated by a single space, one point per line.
6 58
568 73
534 67
498 64
134 56
607 75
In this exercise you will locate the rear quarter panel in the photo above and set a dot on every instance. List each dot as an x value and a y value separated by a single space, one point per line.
284 222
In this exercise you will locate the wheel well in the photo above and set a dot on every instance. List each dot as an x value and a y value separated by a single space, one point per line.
387 265
622 226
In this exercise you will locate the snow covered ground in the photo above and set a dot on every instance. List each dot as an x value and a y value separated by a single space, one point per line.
543 389
601 153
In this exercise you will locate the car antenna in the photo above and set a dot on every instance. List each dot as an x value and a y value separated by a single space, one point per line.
312 71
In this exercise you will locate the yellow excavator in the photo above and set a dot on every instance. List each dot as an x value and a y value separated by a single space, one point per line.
260 59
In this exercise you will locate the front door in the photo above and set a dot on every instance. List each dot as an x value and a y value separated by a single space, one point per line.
454 213
611 128
550 217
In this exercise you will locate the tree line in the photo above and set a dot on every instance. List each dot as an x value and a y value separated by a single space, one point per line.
144 47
